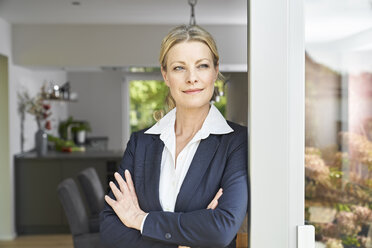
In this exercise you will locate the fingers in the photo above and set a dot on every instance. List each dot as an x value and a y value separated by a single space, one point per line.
123 185
117 193
110 202
130 184
219 194
128 178
126 187
214 203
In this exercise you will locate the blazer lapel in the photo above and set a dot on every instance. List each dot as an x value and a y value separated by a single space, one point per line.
201 161
153 156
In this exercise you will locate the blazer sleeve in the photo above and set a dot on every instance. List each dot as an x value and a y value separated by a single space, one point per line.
113 232
206 227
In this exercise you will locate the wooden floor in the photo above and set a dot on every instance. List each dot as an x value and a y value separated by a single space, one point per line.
242 240
39 241
65 241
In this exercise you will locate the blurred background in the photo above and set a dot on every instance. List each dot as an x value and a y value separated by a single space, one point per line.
85 74
76 78
338 132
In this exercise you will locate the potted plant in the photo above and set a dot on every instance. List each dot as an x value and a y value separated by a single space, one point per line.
80 129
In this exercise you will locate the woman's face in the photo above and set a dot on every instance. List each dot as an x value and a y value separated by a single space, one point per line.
190 74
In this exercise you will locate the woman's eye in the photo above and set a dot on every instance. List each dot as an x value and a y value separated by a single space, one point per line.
178 68
204 66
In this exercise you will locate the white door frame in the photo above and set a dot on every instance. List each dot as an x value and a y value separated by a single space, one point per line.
276 122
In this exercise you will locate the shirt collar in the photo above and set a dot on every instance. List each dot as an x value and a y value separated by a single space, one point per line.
214 123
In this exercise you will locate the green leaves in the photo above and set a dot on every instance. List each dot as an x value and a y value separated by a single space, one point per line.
146 96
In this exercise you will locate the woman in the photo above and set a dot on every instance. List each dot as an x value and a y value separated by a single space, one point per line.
185 177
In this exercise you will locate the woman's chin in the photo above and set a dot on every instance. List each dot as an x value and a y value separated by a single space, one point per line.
193 105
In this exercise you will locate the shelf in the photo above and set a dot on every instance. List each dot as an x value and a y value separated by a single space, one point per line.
59 100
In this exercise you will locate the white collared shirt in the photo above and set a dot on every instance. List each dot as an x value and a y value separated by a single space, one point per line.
172 173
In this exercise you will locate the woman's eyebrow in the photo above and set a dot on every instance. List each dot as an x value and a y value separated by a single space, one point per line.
199 60
180 62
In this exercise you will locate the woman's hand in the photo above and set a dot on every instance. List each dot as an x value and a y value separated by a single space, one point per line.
126 204
212 205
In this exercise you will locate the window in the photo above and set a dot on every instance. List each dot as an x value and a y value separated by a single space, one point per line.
146 96
338 125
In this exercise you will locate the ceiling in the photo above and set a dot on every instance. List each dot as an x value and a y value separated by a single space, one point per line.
122 11
338 33
327 20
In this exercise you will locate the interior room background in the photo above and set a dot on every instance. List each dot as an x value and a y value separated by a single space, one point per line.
95 58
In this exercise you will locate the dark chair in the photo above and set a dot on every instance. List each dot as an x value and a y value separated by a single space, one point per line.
73 206
94 194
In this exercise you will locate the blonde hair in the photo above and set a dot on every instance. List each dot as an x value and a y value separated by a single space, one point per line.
184 33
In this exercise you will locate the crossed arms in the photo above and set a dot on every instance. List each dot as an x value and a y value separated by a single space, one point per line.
212 227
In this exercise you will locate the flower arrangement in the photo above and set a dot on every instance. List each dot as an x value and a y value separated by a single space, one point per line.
35 106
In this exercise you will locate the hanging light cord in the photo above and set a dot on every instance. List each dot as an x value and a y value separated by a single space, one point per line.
192 17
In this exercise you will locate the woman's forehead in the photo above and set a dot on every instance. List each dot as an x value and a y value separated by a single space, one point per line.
193 50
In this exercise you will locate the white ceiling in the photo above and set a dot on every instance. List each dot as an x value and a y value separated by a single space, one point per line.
327 20
339 33
123 11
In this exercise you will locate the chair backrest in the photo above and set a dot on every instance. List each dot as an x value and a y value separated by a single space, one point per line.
72 203
92 189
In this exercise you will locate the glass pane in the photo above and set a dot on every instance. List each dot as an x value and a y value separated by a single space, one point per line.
338 127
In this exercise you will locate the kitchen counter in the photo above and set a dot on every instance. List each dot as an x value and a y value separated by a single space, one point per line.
108 154
38 210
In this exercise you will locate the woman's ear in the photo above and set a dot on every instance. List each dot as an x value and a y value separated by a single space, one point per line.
164 74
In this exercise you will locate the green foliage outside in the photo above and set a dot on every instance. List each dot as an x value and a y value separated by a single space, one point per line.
221 104
147 96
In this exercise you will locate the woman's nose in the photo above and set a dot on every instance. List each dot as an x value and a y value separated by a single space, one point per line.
192 77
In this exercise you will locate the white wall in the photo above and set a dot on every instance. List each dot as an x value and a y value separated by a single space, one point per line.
99 103
112 45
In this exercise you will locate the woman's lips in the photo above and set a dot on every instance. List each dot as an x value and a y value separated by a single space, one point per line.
192 91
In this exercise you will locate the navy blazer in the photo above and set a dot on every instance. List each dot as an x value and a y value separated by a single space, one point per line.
220 161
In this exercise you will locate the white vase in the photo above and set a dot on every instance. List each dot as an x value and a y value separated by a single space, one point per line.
81 136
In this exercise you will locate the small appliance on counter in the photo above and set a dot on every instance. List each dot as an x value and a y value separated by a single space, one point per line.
96 143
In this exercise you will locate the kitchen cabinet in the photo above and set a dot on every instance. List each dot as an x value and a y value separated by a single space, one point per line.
38 209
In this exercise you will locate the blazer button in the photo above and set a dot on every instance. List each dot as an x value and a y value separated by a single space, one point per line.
168 236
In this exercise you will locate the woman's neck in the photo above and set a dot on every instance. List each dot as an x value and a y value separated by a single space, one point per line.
190 120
